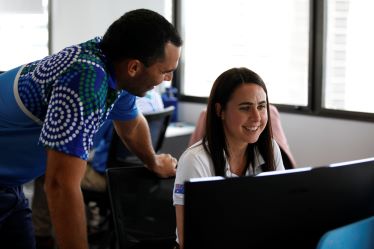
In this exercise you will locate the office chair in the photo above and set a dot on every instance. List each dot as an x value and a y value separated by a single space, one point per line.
120 156
357 235
142 207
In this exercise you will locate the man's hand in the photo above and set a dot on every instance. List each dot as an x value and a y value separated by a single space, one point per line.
135 135
164 166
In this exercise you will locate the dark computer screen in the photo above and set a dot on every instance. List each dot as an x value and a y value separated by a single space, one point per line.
289 210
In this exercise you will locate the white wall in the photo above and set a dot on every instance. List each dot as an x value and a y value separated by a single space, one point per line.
75 21
318 141
314 141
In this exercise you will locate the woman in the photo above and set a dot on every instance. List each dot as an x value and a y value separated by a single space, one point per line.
238 139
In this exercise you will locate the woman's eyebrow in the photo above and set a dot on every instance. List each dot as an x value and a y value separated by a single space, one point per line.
251 103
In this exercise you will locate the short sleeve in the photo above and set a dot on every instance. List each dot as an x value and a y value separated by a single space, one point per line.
75 110
194 163
124 107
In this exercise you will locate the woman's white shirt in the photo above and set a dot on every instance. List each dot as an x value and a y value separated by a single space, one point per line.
195 162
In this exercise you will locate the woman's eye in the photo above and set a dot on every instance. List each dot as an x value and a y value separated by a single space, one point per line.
261 107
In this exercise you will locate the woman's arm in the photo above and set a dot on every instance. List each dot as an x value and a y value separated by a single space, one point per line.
194 163
179 212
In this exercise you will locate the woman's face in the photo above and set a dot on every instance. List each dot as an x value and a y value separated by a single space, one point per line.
245 115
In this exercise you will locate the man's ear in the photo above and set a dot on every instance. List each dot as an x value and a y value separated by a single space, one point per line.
133 67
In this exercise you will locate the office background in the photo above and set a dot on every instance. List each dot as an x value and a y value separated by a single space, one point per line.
314 140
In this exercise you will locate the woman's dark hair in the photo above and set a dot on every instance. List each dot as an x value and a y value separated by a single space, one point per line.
139 34
214 141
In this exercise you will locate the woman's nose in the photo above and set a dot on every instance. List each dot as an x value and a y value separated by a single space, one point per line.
255 115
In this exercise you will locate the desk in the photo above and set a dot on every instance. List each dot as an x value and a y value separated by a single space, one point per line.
176 138
179 129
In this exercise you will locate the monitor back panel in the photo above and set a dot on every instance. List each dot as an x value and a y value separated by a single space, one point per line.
277 211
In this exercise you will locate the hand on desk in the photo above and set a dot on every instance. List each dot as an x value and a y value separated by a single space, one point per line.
165 165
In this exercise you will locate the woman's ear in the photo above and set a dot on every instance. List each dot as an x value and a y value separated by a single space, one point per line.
133 67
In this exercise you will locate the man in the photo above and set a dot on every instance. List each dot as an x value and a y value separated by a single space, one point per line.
94 177
50 110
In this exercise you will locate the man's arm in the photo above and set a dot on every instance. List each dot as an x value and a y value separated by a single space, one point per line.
65 200
136 136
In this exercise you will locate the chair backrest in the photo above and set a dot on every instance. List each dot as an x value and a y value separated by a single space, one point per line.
142 207
353 236
157 122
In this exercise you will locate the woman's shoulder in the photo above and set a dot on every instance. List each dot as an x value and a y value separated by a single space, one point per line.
197 149
195 162
195 155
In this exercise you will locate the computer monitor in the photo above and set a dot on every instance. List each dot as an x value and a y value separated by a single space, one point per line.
281 210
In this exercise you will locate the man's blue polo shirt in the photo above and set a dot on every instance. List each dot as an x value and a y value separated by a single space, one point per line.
58 102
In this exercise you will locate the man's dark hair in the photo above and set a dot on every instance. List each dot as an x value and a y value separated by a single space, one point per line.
139 34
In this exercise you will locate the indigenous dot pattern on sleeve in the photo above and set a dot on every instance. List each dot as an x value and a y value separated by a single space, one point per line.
69 92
